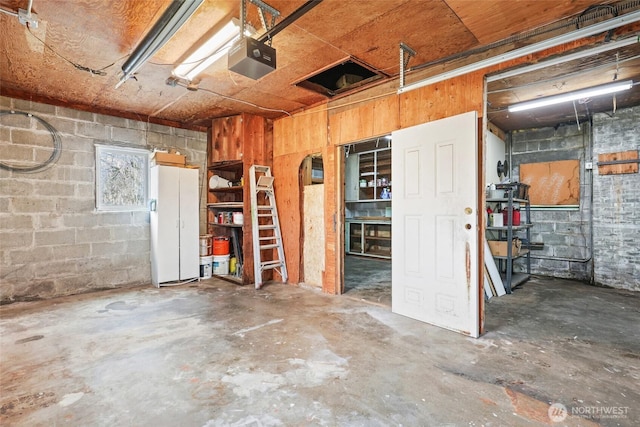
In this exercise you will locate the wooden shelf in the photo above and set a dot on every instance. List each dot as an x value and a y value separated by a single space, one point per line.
217 224
235 189
226 205
230 165
522 253
505 200
388 239
515 227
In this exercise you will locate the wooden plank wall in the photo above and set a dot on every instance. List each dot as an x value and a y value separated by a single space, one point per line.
325 130
248 138
294 139
367 114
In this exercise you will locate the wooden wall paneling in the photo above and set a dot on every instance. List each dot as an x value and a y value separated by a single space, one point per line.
386 115
365 120
444 99
333 221
287 190
226 139
356 123
284 136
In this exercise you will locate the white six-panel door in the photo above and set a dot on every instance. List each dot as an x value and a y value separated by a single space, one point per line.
434 264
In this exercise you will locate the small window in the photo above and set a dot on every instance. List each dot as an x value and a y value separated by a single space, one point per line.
122 176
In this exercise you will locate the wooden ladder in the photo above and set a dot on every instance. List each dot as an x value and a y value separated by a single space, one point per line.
265 226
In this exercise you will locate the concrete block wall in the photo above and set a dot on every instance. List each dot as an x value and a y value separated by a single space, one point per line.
53 242
565 232
616 203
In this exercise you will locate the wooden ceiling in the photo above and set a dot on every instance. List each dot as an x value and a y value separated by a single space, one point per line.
49 63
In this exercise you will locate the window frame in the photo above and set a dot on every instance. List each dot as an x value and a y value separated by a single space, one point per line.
104 149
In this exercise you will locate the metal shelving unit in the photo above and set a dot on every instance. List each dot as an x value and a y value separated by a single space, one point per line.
515 193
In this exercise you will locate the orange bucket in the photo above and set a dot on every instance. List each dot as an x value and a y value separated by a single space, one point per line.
221 245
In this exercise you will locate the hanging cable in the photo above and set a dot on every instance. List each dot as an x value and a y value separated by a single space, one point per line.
55 155
92 71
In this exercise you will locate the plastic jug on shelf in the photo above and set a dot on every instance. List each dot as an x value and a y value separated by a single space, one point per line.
515 216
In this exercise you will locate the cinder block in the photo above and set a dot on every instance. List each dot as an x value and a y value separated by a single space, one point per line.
15 239
30 255
137 246
75 114
17 187
85 190
83 159
81 221
53 269
92 235
72 252
16 222
154 127
91 130
63 126
55 237
107 248
81 174
33 107
35 205
131 233
18 155
112 121
114 218
56 189
75 205
132 136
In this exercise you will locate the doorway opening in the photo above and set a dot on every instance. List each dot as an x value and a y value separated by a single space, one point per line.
367 219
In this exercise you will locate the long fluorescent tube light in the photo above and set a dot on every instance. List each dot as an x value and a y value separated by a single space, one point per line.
618 44
211 50
591 30
171 20
572 96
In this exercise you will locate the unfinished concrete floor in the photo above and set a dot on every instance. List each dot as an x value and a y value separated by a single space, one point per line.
216 354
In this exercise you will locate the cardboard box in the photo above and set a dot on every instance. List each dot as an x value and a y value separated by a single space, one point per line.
499 247
168 159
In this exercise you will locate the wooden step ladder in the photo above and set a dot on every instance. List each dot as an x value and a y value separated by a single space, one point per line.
265 226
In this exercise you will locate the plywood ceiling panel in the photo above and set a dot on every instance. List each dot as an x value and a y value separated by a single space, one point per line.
490 21
97 33
378 42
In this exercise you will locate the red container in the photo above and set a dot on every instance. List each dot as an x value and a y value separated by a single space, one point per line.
220 246
515 216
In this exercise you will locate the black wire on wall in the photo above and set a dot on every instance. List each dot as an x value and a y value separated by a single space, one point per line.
55 155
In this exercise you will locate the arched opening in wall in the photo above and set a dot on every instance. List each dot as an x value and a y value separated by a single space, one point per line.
367 210
311 178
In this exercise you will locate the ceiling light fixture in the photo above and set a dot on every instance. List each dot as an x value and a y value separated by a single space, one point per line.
613 23
171 20
211 50
572 96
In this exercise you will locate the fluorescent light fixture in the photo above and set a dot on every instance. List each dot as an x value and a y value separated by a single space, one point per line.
171 20
211 50
598 28
572 96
